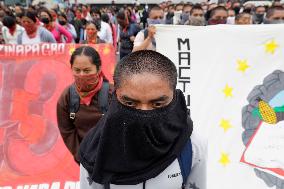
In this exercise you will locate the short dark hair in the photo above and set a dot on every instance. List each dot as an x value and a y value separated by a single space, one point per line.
239 16
214 10
9 21
187 5
31 15
271 10
260 6
105 17
179 4
96 11
155 8
196 7
89 52
145 61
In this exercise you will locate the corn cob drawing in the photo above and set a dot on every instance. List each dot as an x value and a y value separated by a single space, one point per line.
267 113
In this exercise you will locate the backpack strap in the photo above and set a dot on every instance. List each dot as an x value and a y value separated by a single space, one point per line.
74 103
103 97
185 162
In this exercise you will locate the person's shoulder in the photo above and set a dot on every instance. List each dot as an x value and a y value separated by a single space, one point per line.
99 40
59 27
71 26
20 28
84 42
139 38
4 28
42 29
141 33
104 24
64 97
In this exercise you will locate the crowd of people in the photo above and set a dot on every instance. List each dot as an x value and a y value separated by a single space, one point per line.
122 136
127 28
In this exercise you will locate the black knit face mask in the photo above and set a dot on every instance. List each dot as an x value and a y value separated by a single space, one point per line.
150 131
131 146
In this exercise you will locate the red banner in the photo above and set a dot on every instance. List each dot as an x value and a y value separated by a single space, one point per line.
32 152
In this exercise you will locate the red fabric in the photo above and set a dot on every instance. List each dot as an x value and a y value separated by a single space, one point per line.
29 136
87 86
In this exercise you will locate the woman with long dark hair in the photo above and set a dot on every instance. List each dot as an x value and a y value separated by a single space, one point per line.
83 103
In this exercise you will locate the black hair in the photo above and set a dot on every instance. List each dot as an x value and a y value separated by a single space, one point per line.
271 10
20 15
32 7
121 15
196 7
187 5
83 21
260 6
96 23
105 18
79 9
239 16
89 52
145 61
179 4
31 15
155 8
214 10
47 12
62 14
9 21
96 11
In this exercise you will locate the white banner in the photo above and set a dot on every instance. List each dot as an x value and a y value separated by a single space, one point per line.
234 79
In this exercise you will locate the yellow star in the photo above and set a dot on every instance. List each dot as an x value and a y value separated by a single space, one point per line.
271 46
224 160
72 49
106 51
225 124
228 91
242 65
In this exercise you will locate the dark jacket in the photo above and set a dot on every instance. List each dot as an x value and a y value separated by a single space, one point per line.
126 45
86 118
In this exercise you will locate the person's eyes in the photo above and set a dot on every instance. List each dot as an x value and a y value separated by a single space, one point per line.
77 71
158 104
129 103
87 71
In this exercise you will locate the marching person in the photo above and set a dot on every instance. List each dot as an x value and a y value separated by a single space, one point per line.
146 139
82 104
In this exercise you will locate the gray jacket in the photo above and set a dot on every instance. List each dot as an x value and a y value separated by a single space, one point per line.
45 36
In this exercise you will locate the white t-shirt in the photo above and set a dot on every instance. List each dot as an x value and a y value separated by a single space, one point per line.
8 37
139 39
27 40
171 177
105 33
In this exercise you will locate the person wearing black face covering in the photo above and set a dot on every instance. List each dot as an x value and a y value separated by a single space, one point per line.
259 15
236 6
142 139
56 29
62 20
